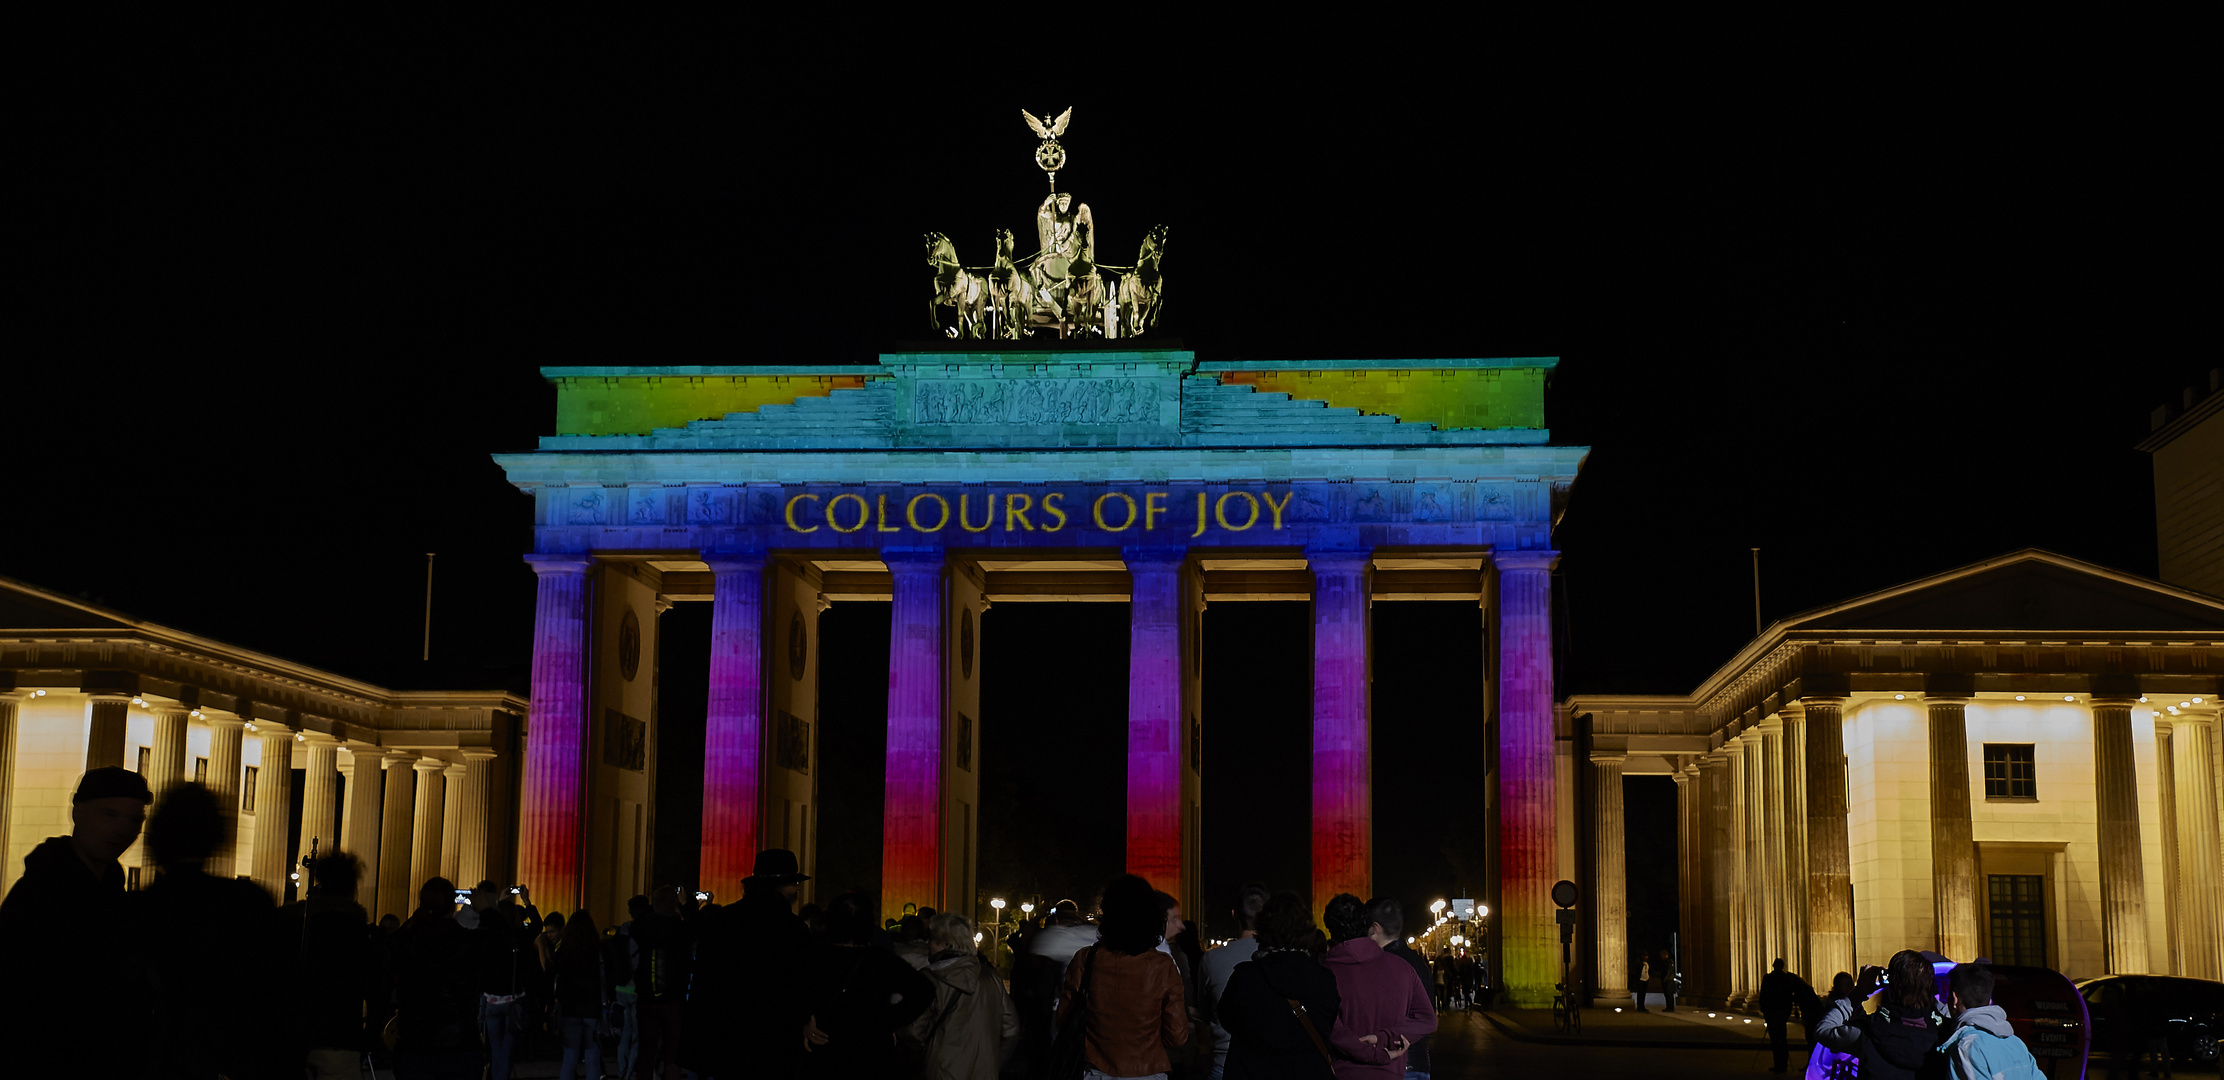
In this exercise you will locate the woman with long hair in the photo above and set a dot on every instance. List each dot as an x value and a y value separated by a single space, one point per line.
1122 992
583 990
1270 1038
1893 1042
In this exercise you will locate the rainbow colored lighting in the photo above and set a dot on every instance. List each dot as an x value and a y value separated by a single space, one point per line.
911 824
552 803
734 727
1343 859
1154 719
1527 840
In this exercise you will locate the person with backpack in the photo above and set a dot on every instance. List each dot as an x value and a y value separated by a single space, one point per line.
1894 1042
1981 1045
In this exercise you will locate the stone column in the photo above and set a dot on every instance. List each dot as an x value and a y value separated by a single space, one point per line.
471 833
273 810
2201 897
166 752
1742 984
1609 884
451 824
432 798
9 700
1773 882
552 804
320 793
1156 729
359 833
104 740
1718 820
1689 940
1794 899
2166 793
1343 799
225 771
734 738
1954 884
1528 837
2123 881
1829 859
911 822
397 895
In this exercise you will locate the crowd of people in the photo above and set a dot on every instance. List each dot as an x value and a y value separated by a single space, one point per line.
204 977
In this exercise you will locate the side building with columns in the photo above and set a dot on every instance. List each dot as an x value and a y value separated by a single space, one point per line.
413 783
2014 760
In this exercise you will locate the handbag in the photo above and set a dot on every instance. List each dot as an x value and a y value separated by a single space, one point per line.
1069 1051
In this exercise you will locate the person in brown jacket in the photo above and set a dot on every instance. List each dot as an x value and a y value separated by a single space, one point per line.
1132 1005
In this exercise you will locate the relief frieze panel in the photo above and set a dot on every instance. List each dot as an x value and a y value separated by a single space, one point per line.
942 402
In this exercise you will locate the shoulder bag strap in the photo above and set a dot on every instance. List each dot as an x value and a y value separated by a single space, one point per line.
1081 996
1305 1020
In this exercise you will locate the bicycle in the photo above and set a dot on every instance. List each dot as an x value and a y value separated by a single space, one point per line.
1567 1015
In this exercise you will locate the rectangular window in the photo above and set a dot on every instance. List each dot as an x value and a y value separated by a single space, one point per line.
2010 772
131 878
247 792
146 754
2018 903
201 770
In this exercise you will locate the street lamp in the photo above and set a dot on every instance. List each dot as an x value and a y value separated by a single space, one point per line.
997 902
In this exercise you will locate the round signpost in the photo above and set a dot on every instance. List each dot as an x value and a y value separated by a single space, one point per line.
1566 1015
1564 893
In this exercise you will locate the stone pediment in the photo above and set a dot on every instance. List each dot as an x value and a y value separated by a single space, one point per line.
2030 590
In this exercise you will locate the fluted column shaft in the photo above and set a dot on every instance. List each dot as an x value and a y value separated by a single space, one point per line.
1689 937
226 735
1954 884
320 794
1609 876
471 834
451 823
359 833
1829 857
733 738
274 811
104 739
1794 899
1718 824
911 822
2166 793
8 703
396 893
1528 843
2201 895
2123 880
432 798
1155 729
1343 793
1742 895
1773 882
553 802
165 767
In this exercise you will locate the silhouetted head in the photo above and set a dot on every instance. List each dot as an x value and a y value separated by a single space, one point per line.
337 874
1970 987
1249 902
554 923
949 931
437 895
1387 915
1778 965
1133 921
849 918
1913 985
186 828
1346 917
1286 922
107 812
578 934
638 907
1842 983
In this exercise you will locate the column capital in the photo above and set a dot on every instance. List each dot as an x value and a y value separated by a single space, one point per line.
455 768
1543 560
471 757
736 562
2164 723
914 561
2116 701
110 697
318 738
429 764
215 721
1157 558
1338 559
1822 701
1608 758
551 563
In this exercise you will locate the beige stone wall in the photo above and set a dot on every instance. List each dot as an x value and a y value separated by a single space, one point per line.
49 757
2189 507
1888 795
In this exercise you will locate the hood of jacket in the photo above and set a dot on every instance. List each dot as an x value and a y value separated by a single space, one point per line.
961 973
1990 1019
1902 1041
1358 950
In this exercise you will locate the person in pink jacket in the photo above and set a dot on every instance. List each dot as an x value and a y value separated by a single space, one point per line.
1384 1006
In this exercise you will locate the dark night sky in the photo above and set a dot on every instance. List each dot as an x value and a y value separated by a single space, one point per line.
1878 309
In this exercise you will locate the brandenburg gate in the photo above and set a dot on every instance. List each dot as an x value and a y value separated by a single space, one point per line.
944 482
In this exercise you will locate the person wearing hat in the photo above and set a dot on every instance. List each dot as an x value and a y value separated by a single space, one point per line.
63 930
747 1003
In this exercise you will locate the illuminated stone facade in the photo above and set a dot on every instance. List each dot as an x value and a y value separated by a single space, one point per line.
948 482
2015 760
82 687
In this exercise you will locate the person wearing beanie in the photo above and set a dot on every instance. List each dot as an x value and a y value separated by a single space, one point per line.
62 932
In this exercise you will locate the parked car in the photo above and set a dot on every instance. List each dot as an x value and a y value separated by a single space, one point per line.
2135 1014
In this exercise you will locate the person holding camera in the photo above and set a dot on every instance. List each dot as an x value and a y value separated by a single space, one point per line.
503 924
1893 1042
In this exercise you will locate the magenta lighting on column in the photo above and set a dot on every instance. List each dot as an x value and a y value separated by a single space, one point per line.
1526 841
552 803
733 732
1154 718
911 824
1343 859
